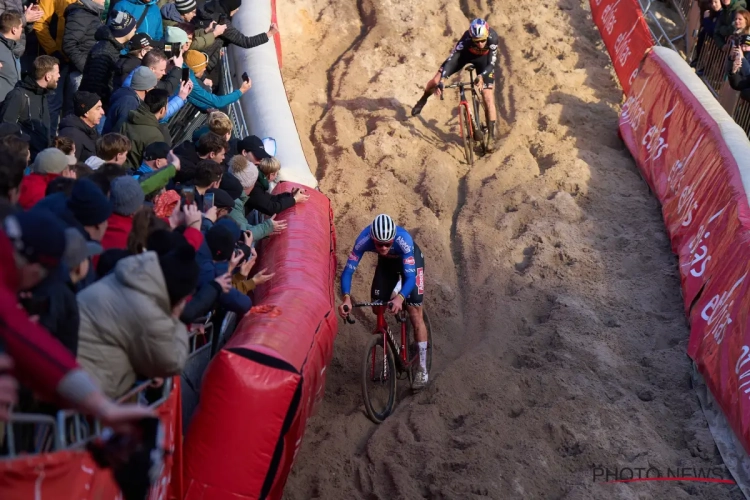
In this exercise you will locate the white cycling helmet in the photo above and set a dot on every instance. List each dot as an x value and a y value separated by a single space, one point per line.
383 229
479 29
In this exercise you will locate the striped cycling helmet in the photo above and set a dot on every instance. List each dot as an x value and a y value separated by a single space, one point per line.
479 30
383 229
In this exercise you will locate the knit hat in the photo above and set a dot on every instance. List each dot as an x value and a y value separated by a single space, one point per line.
230 224
231 185
180 270
38 235
121 23
140 41
90 206
195 60
185 6
221 242
50 161
84 101
156 151
173 34
143 79
245 171
230 5
77 249
255 145
126 195
221 198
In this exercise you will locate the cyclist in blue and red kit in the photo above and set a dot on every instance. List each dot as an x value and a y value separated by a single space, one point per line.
398 257
477 46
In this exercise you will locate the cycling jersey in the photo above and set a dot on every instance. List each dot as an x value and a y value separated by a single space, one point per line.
466 50
402 248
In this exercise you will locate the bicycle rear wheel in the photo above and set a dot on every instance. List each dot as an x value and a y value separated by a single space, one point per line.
414 351
465 120
378 380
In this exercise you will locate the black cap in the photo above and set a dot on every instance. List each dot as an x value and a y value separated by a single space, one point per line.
254 144
156 151
13 129
140 41
221 198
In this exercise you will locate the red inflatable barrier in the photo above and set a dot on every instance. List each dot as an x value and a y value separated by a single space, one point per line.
73 474
259 391
697 162
625 34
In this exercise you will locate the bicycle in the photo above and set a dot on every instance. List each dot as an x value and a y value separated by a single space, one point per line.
401 365
473 128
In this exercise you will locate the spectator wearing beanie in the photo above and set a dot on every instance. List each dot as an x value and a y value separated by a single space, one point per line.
202 97
151 24
127 197
100 64
236 190
137 47
214 260
91 209
129 319
181 11
49 164
80 127
127 99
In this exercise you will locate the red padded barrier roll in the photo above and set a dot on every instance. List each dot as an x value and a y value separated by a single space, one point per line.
259 391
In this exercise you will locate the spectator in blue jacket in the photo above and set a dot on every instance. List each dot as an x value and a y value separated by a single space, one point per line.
151 23
202 96
217 257
126 99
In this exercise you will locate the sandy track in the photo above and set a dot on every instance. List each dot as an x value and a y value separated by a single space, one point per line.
553 292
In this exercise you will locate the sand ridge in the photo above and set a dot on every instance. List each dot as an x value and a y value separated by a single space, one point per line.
560 337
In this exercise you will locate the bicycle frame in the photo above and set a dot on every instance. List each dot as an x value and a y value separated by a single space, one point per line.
381 328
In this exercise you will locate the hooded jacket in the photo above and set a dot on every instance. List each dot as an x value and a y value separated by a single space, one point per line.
202 98
123 101
143 129
50 28
237 214
151 24
171 17
82 20
32 188
724 24
10 72
100 65
127 329
123 67
28 105
267 203
17 5
84 136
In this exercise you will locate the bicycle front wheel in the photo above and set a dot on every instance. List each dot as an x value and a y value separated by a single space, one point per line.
468 138
378 379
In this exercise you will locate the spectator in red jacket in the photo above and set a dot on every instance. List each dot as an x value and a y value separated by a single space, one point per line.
127 197
48 164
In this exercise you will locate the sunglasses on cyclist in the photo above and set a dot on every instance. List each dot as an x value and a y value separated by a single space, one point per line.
387 244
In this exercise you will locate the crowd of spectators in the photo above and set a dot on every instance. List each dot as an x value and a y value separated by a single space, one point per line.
114 240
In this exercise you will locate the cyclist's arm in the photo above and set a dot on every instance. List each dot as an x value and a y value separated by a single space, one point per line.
362 245
406 244
492 42
454 55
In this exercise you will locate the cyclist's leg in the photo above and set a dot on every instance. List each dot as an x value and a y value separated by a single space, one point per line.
414 308
488 94
449 67
384 279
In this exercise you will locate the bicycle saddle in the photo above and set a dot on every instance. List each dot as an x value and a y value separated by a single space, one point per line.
470 67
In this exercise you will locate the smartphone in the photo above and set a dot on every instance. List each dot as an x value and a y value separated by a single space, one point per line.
245 78
185 74
208 201
189 193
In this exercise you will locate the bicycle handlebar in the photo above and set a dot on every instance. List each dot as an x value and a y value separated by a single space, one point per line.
351 321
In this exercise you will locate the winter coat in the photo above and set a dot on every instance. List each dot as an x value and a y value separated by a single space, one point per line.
51 27
82 20
17 5
123 67
202 301
171 17
267 203
28 105
151 24
127 329
60 312
123 101
237 214
32 188
724 25
142 129
10 72
169 82
234 300
100 65
188 161
83 136
118 229
202 98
